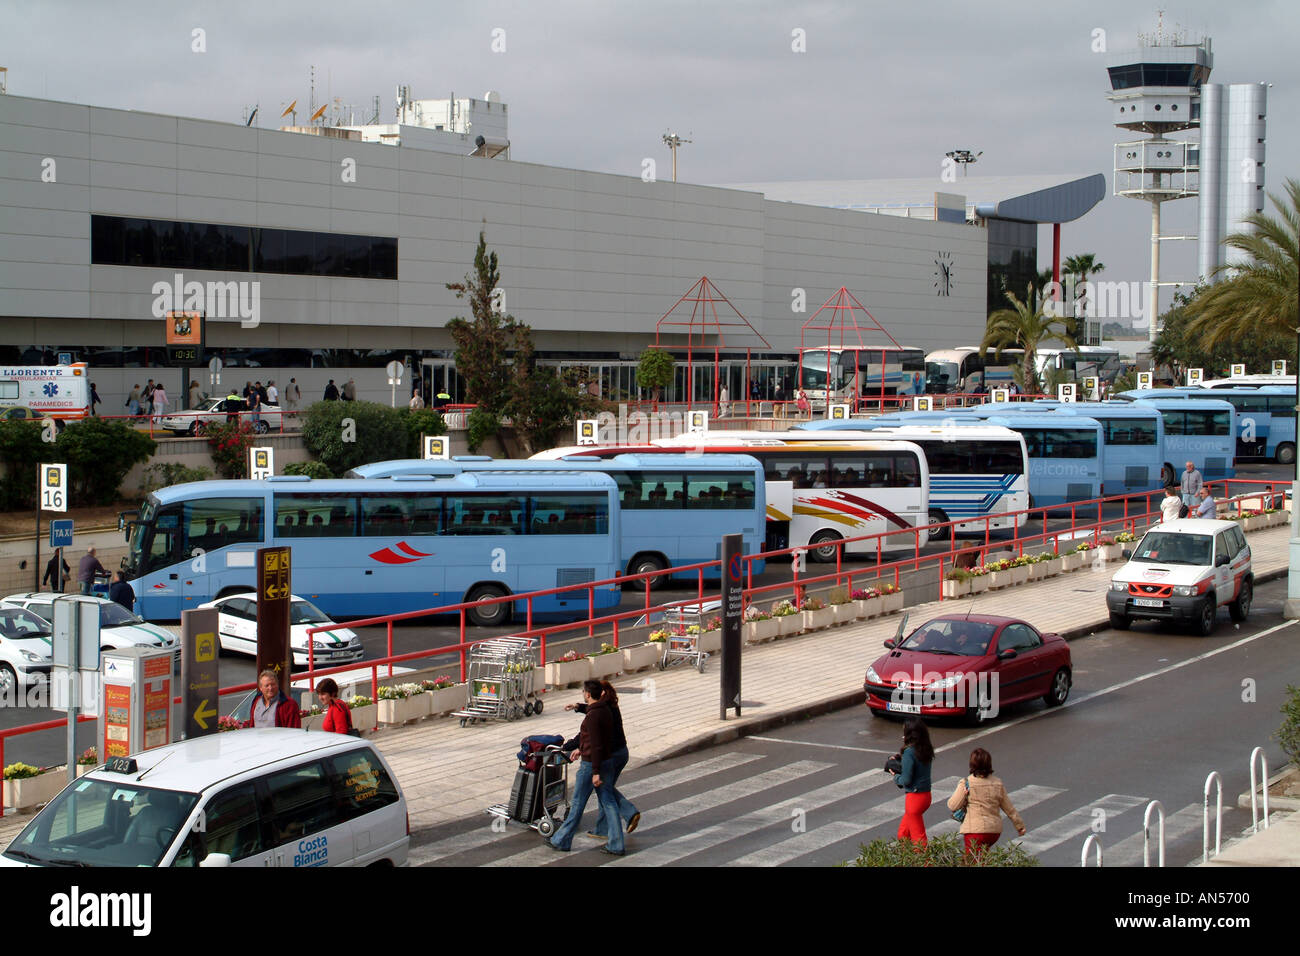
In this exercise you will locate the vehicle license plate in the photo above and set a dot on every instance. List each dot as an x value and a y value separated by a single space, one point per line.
899 708
1148 602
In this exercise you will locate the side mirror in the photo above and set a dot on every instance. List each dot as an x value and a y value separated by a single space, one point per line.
1221 561
215 859
902 629
1007 654
890 643
1127 553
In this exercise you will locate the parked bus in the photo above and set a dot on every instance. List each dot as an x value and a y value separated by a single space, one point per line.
1075 364
858 371
817 492
1264 420
975 471
61 392
369 547
1064 450
1199 430
961 369
1251 381
675 508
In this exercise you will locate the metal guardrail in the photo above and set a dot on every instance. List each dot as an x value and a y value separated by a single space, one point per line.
1218 818
1093 841
1263 762
1146 833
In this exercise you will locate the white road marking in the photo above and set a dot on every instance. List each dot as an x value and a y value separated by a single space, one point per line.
812 743
1056 832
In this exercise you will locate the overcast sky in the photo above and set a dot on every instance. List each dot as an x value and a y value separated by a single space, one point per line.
883 89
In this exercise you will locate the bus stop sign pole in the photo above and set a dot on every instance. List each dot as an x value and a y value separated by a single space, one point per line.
273 588
733 606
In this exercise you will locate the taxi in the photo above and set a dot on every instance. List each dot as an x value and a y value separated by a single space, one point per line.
1183 572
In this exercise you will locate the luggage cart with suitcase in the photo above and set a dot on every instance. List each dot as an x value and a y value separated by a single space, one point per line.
540 792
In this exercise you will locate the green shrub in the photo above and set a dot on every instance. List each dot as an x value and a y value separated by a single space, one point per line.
165 474
374 433
423 421
1288 735
99 453
946 850
479 427
21 449
312 469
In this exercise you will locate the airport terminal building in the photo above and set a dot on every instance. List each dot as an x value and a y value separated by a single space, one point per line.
344 248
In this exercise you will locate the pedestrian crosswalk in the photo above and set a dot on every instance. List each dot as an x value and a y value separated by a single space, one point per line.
749 809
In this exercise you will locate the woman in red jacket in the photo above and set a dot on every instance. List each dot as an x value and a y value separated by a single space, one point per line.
338 718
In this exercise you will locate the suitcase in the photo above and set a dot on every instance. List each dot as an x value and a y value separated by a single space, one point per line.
523 796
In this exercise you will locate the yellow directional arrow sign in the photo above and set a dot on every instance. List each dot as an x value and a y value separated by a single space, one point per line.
203 712
275 591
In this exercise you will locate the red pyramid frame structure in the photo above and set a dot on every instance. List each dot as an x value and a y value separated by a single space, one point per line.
843 307
705 297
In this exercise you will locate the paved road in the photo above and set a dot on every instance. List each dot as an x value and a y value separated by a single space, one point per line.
1152 712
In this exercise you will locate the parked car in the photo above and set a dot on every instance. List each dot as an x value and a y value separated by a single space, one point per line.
968 665
237 630
118 627
191 421
26 655
1184 571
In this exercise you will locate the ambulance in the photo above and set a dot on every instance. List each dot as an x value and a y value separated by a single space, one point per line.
61 392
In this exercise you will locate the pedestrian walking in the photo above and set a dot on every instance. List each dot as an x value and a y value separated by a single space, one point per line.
146 399
255 406
724 402
595 748
272 708
441 399
94 399
159 400
983 799
628 814
262 398
272 393
87 568
802 403
56 576
233 406
416 403
1208 507
195 396
133 401
350 391
121 592
338 718
914 779
1190 486
331 392
1172 505
292 395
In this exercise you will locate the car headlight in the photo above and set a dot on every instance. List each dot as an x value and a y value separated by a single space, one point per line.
1119 585
952 680
33 657
319 645
872 675
1185 590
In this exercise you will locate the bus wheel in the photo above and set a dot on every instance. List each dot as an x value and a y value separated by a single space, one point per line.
939 534
1286 453
645 563
1167 475
489 615
826 552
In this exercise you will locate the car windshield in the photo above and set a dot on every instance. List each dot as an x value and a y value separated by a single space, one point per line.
104 823
19 624
112 614
1164 547
304 612
211 404
961 638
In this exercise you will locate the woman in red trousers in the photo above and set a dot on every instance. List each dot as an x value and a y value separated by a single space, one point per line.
918 753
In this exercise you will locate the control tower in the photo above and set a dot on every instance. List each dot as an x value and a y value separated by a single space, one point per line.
1157 90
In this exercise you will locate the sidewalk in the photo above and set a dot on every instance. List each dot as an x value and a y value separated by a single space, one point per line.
448 772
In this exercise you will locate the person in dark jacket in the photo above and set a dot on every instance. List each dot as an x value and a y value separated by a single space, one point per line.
627 811
56 576
87 568
918 753
121 592
272 708
595 747
331 392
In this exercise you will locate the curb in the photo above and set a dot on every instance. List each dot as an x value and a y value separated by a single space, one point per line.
826 705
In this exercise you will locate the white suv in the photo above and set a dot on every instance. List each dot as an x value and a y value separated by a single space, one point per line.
1184 571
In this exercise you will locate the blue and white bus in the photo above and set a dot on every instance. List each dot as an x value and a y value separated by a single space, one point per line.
976 470
1199 430
1264 420
372 547
675 508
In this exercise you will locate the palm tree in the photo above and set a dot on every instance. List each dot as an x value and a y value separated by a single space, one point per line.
1081 266
1042 279
1023 327
1259 296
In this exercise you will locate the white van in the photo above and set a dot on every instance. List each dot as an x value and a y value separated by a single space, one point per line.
269 797
60 391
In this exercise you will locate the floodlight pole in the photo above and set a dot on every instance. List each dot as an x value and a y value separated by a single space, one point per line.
1291 608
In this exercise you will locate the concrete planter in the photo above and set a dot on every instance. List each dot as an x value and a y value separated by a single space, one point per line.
867 609
1253 523
1074 561
84 768
313 722
760 632
447 699
710 641
639 657
955 589
1020 575
28 793
1112 552
1001 579
891 603
789 624
394 713
816 620
1051 568
365 718
605 665
568 673
1035 571
844 613
979 584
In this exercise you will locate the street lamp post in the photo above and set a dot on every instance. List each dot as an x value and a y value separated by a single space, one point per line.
1291 609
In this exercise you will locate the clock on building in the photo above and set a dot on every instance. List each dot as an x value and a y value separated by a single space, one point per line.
943 268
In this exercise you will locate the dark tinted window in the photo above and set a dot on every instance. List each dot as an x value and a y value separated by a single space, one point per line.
484 514
1060 442
569 514
232 823
315 516
1129 431
302 803
1019 637
216 522
361 785
719 491
968 457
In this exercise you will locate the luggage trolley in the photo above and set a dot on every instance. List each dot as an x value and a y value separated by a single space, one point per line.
679 647
502 681
539 796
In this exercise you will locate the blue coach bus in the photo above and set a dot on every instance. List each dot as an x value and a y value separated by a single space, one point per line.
675 508
1064 451
1199 430
366 548
1265 416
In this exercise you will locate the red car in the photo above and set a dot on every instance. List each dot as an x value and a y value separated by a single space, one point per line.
968 665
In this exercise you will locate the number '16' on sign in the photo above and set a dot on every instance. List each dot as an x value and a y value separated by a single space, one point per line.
52 487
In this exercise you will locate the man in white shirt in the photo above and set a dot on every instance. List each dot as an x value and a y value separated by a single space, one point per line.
272 393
